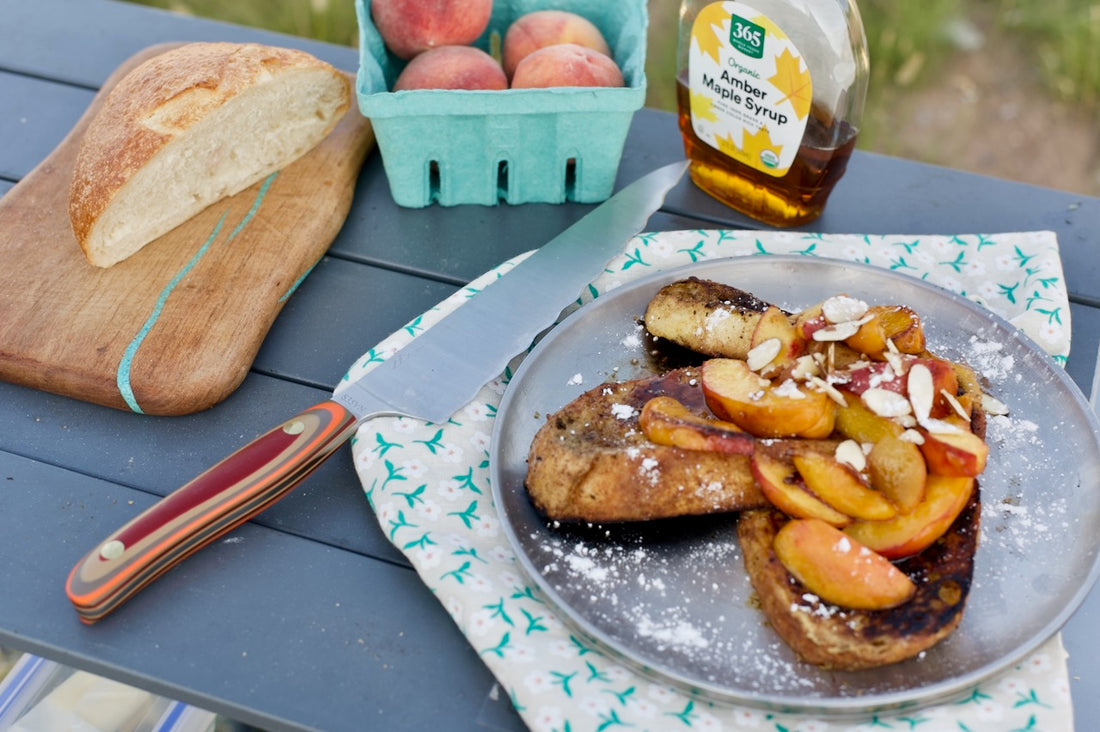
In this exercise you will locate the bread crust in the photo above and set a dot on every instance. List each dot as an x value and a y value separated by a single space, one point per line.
852 640
707 317
159 101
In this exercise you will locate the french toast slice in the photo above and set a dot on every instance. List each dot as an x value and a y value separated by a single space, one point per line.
844 639
710 318
591 461
851 640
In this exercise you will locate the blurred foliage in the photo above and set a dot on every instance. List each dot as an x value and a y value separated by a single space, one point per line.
1065 37
906 40
326 20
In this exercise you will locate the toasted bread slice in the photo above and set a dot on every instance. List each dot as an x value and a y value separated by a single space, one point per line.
705 316
851 640
591 461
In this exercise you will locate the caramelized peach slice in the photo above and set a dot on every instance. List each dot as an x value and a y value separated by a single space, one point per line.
908 533
842 488
857 421
784 489
776 336
956 454
839 569
736 394
895 323
882 375
809 320
896 468
666 421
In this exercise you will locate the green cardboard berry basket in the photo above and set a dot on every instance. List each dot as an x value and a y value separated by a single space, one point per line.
518 145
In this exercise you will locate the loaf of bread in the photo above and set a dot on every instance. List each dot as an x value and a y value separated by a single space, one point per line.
189 127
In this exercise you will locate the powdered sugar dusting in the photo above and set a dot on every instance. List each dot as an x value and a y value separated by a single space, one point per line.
684 601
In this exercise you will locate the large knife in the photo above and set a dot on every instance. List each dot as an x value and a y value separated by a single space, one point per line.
430 378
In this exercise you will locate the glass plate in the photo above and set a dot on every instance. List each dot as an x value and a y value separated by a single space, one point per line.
672 598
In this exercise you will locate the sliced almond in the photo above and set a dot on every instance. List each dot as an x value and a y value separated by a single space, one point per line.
912 436
920 390
893 359
804 368
763 354
829 389
851 453
886 403
843 308
837 331
939 426
950 398
991 405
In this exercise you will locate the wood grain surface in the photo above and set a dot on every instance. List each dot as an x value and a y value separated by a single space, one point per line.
175 328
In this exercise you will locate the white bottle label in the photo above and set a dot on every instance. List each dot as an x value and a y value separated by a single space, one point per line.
750 88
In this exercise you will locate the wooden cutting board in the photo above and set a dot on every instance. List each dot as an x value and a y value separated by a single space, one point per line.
174 328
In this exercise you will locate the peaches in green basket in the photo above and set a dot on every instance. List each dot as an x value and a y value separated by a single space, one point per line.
541 28
452 67
566 64
410 27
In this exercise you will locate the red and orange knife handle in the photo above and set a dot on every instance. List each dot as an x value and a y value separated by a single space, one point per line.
197 513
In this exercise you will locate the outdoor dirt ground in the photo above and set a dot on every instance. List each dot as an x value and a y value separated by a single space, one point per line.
987 111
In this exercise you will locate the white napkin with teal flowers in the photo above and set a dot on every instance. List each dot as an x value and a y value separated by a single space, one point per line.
429 487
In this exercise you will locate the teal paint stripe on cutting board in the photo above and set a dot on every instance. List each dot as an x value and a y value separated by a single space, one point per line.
122 376
300 280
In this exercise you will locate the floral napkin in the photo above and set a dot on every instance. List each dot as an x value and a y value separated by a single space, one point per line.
429 486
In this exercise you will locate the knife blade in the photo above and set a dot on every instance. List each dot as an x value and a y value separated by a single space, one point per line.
426 379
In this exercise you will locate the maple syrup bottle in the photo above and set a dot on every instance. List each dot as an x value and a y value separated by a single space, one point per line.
770 96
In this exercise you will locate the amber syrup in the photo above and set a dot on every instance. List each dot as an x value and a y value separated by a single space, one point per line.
795 198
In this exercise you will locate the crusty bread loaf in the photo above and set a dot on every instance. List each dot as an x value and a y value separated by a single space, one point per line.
189 127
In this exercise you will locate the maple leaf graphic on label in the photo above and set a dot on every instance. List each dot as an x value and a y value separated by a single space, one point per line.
727 146
759 146
793 82
702 107
714 19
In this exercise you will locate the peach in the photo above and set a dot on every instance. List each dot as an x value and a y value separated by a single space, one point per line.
566 64
666 421
736 394
410 27
839 569
452 67
775 332
895 323
908 533
542 28
810 320
784 488
857 421
842 488
881 374
896 468
956 454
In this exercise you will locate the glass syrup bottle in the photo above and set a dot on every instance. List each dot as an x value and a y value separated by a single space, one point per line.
770 96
